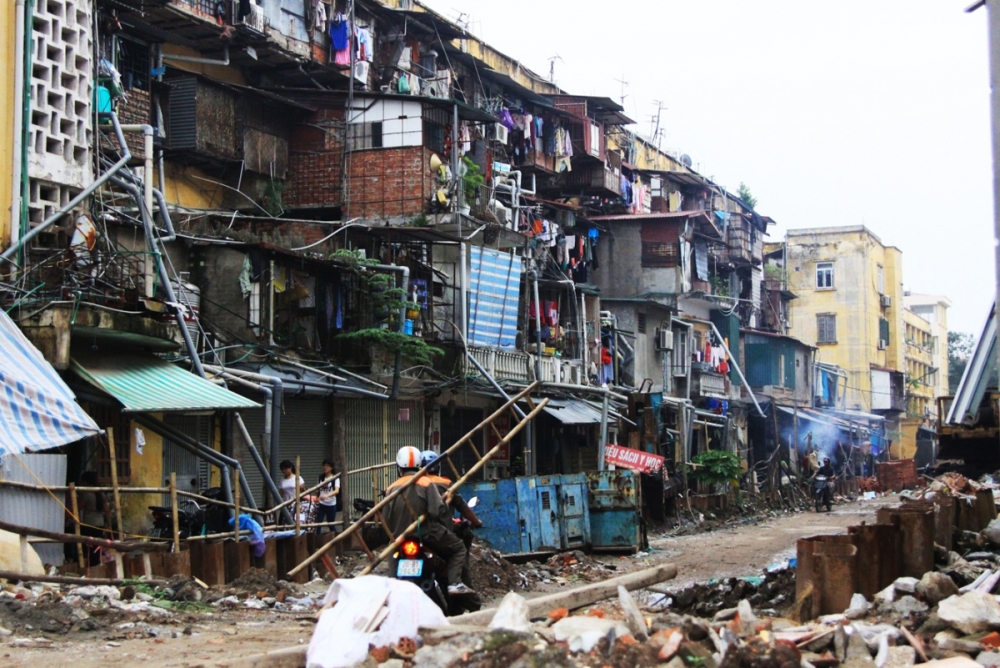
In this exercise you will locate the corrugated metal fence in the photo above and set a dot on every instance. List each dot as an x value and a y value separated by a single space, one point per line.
29 508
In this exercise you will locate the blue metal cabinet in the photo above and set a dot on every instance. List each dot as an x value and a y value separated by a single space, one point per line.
498 509
574 512
615 510
538 507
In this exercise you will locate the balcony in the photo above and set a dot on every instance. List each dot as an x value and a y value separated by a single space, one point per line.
705 382
254 23
501 364
561 370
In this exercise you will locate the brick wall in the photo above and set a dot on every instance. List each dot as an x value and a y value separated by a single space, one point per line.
134 110
897 476
388 183
315 161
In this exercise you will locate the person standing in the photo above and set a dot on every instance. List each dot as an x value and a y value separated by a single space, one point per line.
329 495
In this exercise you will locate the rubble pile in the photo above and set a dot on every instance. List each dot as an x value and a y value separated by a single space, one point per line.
136 609
773 593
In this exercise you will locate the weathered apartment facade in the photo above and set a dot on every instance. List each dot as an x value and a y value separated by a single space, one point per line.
371 226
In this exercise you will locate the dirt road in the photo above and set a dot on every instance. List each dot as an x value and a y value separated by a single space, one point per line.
746 549
201 639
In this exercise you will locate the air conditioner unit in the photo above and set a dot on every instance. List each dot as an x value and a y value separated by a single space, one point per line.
665 340
502 133
882 344
886 301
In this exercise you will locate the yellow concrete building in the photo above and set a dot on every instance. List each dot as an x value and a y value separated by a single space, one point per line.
849 289
921 371
934 309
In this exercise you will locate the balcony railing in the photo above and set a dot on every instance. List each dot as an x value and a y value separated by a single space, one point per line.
254 20
501 364
561 370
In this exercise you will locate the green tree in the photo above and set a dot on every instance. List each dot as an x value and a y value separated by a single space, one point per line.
744 194
960 347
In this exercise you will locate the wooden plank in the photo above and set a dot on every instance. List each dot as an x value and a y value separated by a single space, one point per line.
268 562
581 596
173 509
208 562
237 559
127 546
289 657
114 482
75 507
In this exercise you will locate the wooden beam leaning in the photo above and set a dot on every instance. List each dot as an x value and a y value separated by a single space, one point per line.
454 486
349 530
134 546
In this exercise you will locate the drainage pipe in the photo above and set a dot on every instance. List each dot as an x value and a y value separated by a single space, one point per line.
17 173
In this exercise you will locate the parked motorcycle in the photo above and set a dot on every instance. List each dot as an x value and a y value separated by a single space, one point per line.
192 518
822 493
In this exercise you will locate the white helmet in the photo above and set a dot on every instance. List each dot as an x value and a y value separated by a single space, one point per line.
408 457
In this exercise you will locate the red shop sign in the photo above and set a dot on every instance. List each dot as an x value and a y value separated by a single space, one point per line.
634 460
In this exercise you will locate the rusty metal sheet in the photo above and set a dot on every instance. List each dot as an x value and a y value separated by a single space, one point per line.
916 526
826 574
879 553
986 507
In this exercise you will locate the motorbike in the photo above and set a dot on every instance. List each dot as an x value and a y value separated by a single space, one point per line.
192 518
416 562
822 494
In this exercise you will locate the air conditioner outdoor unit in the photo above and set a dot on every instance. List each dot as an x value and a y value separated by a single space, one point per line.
886 301
882 344
665 340
502 133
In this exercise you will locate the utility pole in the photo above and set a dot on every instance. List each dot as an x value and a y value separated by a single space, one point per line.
624 86
552 67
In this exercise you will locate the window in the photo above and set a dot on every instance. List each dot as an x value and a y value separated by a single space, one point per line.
133 63
883 331
881 280
365 135
826 328
640 324
824 276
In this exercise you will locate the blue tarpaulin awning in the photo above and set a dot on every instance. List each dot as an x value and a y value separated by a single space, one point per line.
38 411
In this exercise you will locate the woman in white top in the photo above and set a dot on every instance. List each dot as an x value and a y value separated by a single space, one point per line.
289 481
328 495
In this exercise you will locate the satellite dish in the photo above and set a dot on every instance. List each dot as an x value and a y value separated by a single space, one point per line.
686 160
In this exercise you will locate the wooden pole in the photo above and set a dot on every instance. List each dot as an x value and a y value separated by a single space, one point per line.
75 507
59 537
65 579
236 504
114 482
173 511
581 596
298 497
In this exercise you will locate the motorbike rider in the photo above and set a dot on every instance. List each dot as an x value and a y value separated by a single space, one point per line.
825 470
424 498
430 459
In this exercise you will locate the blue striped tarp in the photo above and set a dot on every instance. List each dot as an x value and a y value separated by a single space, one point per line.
37 410
495 285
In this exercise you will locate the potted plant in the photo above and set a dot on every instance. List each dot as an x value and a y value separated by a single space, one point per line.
472 179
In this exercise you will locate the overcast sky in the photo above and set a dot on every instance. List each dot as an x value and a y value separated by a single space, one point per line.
871 112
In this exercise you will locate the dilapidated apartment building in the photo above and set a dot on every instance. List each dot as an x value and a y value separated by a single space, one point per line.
371 226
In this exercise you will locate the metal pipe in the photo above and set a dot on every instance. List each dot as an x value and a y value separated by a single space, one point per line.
304 367
259 461
736 364
84 194
171 300
226 462
278 391
602 446
16 171
585 344
203 61
533 277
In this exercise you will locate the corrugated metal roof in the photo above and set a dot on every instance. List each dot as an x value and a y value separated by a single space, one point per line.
649 216
143 383
570 411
